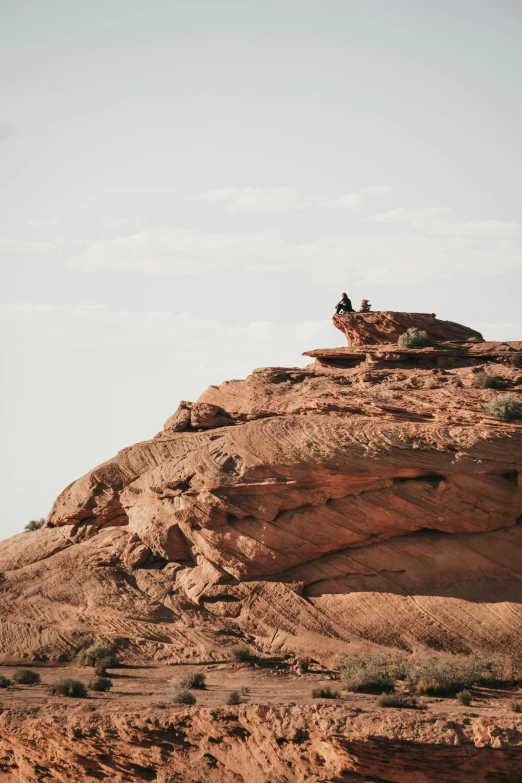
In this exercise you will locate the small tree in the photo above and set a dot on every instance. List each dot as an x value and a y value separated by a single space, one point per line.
34 524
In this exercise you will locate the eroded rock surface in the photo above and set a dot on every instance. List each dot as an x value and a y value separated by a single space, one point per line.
261 743
370 328
366 498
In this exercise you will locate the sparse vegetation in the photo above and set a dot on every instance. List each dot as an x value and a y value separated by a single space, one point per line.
100 654
304 662
325 693
34 524
458 382
194 680
183 696
515 705
244 690
398 700
75 689
26 677
414 338
394 386
447 676
515 359
505 406
5 682
464 697
372 673
100 684
234 697
241 653
430 382
483 380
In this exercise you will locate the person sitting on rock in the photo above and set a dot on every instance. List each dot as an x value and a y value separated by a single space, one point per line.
344 305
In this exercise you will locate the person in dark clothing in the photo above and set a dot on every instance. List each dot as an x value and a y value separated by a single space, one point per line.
344 305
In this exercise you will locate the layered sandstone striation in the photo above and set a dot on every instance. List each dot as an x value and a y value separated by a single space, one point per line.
367 328
367 499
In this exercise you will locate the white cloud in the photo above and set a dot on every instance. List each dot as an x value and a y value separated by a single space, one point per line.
376 189
279 199
350 201
381 256
52 221
14 245
402 214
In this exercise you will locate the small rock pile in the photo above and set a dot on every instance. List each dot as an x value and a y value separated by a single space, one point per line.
365 306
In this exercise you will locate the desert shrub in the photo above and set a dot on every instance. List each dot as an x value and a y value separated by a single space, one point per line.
70 687
447 676
464 697
234 697
26 677
505 406
430 382
458 383
34 524
304 663
195 680
244 690
241 653
399 700
414 338
5 682
515 705
101 684
394 386
515 359
325 693
183 696
482 380
372 673
97 653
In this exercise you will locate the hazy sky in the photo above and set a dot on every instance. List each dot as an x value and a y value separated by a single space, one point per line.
188 185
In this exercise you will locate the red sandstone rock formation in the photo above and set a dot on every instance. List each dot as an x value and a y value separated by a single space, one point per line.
258 744
345 501
366 499
367 328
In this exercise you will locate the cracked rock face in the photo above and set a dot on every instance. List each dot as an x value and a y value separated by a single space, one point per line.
368 496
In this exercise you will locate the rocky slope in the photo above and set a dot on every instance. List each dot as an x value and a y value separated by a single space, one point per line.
365 498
